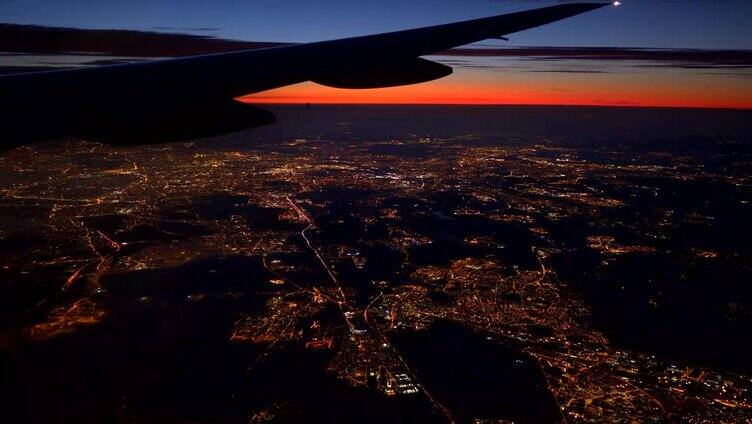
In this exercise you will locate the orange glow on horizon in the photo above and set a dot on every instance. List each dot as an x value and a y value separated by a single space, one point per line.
636 90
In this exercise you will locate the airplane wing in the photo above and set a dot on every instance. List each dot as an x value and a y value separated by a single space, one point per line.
193 97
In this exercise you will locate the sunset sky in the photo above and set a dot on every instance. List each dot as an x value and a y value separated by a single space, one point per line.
719 30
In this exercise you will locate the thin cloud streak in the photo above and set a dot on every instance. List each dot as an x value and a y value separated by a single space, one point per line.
54 40
679 58
149 44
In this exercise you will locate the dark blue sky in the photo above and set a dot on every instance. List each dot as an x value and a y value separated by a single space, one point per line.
645 23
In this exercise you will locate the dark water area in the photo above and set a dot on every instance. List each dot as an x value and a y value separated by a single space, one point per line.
222 206
668 303
244 274
173 362
160 360
163 354
449 233
19 290
477 378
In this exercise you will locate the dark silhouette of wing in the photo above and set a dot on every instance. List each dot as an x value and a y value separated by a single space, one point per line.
192 97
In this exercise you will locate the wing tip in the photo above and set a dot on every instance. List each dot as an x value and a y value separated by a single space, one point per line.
586 6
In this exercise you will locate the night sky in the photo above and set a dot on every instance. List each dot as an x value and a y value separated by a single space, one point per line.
674 24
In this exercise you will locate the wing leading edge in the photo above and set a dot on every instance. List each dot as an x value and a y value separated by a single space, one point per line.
133 103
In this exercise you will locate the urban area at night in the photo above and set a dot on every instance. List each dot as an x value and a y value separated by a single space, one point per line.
370 274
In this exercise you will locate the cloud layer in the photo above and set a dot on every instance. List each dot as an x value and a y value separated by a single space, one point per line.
30 39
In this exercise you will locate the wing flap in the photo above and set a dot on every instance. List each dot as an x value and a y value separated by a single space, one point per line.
379 75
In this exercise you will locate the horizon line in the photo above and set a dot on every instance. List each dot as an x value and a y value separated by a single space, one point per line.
583 105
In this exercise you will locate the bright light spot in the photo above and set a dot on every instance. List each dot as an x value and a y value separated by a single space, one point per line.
617 3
